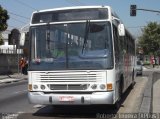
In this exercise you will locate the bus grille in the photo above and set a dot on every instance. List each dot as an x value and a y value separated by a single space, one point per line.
68 80
61 77
69 87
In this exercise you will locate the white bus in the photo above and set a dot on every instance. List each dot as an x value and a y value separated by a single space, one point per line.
79 56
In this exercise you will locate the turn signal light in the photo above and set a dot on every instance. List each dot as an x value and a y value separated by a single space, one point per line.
109 86
30 87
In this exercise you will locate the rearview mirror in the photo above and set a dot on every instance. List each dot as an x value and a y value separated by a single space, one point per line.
121 30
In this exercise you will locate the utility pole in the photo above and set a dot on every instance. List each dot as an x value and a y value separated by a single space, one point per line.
18 51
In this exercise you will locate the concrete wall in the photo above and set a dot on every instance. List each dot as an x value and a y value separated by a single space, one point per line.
9 63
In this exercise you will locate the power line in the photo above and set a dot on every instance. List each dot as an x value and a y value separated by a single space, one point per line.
10 26
24 4
4 32
12 13
136 27
77 1
73 2
70 2
18 15
18 20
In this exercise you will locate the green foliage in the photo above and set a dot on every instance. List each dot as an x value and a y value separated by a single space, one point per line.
3 22
3 19
150 39
1 39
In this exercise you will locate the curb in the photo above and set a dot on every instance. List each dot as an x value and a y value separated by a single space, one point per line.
147 97
11 80
151 67
155 79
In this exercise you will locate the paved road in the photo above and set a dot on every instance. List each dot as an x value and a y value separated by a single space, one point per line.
13 99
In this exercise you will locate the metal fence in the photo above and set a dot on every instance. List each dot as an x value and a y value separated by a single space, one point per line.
11 51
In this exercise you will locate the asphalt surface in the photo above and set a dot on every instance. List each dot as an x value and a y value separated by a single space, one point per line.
14 100
143 98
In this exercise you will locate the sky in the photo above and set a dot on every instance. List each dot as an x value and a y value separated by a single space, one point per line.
20 11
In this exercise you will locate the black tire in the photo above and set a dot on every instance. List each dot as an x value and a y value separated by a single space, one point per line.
120 91
117 105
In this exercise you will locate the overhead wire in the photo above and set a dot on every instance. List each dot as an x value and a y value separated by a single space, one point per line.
137 27
24 4
13 26
18 20
18 15
77 1
73 2
7 30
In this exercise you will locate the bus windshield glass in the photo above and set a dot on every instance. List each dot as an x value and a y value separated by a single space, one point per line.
86 45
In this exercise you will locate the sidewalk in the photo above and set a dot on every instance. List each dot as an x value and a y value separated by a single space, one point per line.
12 78
151 67
150 102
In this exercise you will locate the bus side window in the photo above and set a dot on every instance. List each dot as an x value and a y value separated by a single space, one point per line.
116 43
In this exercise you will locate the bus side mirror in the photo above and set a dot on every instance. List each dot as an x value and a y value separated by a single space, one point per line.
22 39
121 30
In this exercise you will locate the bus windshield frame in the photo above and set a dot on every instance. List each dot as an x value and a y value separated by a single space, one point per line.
70 15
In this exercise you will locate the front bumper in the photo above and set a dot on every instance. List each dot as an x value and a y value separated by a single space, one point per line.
71 99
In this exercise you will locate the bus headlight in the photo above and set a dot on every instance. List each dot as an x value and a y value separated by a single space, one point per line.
102 86
43 87
35 87
94 86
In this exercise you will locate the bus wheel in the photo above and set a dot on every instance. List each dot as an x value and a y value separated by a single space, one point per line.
118 102
120 90
117 105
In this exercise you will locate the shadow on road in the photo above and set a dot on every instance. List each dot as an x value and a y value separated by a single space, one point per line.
75 111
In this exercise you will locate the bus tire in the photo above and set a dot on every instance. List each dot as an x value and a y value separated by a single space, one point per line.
117 105
120 90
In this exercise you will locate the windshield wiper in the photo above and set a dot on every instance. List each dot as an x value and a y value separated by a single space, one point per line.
87 29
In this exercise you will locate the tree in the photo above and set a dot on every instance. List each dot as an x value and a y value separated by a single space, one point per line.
3 19
1 39
149 41
3 22
13 38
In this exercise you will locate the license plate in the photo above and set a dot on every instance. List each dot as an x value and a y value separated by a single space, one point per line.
66 98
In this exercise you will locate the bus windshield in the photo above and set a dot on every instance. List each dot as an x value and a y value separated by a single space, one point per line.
86 45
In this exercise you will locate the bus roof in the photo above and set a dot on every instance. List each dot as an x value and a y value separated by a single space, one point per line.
69 8
42 16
